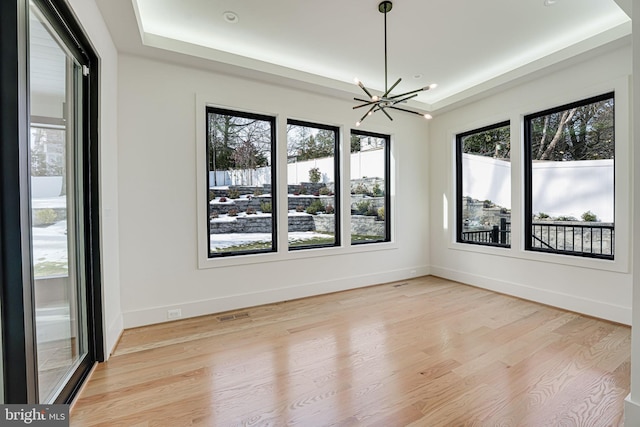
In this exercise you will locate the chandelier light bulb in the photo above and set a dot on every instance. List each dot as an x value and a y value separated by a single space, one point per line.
375 98
356 81
357 124
433 86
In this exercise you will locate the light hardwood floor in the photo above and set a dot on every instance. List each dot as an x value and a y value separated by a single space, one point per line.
422 352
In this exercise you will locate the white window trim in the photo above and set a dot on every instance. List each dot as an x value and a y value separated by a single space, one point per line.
622 191
282 253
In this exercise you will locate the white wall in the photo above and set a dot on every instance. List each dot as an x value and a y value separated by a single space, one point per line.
632 404
596 287
93 24
160 108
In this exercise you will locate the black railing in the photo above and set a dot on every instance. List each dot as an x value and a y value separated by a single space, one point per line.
590 239
498 235
580 239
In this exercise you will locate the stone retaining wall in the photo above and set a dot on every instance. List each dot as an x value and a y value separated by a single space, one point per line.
241 205
323 223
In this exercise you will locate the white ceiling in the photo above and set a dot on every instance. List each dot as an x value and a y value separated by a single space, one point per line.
465 46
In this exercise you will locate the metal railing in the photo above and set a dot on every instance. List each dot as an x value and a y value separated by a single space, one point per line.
585 239
498 235
591 239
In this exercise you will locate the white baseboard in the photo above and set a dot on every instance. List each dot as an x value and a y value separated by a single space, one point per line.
575 303
112 336
154 315
631 412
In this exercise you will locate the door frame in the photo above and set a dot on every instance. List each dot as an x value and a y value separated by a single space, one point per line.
17 309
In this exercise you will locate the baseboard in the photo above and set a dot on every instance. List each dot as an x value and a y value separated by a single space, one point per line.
575 303
155 315
113 335
631 412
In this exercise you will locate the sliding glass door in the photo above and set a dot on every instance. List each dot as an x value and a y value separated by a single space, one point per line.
58 249
49 238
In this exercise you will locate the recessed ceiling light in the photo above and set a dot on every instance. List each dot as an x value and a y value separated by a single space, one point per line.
417 76
231 17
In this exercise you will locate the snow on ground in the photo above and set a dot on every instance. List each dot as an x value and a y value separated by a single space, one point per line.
223 241
50 243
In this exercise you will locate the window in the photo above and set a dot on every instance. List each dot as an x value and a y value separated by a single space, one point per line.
370 187
241 190
484 186
569 179
313 185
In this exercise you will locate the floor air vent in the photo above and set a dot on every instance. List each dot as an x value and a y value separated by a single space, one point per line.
397 285
234 316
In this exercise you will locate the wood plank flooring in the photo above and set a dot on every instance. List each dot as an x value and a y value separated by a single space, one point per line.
422 352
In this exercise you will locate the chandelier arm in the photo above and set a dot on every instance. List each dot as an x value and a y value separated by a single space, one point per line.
391 88
366 103
405 110
367 113
397 101
365 90
409 93
385 113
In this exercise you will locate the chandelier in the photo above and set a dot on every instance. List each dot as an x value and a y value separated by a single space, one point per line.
386 100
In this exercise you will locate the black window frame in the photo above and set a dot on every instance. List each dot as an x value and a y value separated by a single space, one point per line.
336 167
501 235
528 177
387 186
273 157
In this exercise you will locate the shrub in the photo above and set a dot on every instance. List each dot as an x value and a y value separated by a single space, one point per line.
250 211
213 215
362 207
257 192
302 190
372 211
315 175
315 207
589 216
566 218
377 191
46 216
324 191
299 208
222 199
542 215
381 213
265 207
329 209
233 212
234 193
360 189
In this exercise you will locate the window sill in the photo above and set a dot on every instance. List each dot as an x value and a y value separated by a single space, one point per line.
618 265
292 255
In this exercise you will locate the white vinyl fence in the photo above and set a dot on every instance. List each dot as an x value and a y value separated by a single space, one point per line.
559 188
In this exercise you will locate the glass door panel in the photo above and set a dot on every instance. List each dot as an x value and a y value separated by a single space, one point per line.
56 207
